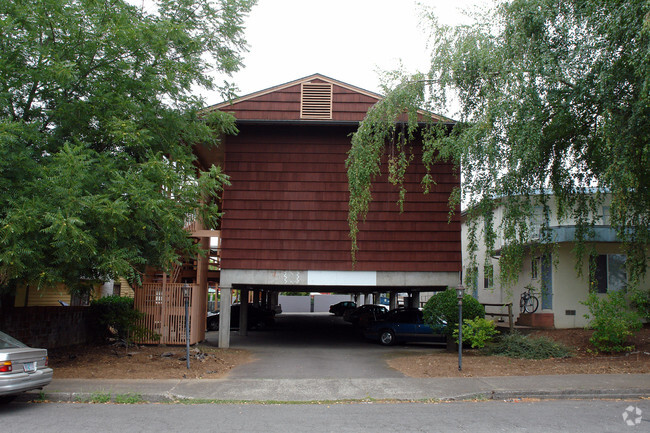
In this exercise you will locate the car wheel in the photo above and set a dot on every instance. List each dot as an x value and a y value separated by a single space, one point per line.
387 337
213 325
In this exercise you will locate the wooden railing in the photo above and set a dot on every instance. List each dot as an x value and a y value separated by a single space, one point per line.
511 320
164 312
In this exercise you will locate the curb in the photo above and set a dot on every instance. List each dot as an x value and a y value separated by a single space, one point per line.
593 394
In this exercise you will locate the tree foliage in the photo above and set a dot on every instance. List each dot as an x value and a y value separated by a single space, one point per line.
97 124
554 100
444 305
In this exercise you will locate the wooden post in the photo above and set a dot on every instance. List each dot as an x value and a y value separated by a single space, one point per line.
511 319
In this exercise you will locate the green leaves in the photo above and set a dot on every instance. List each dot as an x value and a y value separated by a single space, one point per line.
553 101
97 126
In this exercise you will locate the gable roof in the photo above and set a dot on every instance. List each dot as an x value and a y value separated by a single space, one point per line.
314 98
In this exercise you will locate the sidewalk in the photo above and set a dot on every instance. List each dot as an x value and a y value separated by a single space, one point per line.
308 390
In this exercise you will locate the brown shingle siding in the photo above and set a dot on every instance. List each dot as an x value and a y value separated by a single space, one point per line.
287 207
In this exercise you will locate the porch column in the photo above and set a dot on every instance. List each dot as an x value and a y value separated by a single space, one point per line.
224 317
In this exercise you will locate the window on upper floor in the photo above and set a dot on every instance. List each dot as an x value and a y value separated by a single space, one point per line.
488 276
607 273
605 217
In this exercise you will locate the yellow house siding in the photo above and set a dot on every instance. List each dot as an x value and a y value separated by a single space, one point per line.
45 297
126 289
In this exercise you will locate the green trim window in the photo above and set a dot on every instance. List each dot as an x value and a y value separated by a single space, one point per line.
607 273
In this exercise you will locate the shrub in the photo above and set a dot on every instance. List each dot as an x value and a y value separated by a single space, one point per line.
640 300
477 332
612 320
114 317
516 345
444 305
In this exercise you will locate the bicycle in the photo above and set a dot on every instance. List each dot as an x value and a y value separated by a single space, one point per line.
528 302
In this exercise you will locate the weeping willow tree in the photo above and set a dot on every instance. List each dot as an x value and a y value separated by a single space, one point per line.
554 100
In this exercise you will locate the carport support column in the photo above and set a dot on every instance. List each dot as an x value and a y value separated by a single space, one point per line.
243 311
414 300
224 317
392 300
256 297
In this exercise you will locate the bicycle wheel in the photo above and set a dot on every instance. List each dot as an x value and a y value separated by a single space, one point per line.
531 304
522 303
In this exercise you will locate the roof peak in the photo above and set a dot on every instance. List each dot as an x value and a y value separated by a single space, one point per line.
298 81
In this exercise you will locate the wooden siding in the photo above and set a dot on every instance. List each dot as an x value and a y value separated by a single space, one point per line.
287 207
284 104
163 307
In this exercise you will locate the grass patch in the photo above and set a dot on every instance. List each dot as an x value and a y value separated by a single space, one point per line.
95 397
516 345
128 398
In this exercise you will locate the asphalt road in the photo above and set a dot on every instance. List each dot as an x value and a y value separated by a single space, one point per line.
316 346
476 417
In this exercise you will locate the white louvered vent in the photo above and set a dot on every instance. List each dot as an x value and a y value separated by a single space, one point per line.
316 101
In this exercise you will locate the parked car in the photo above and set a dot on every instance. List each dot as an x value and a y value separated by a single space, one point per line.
22 368
339 308
258 318
365 314
404 325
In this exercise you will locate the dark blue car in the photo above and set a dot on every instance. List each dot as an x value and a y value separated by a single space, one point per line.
404 325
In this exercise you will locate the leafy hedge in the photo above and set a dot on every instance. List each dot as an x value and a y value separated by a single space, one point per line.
444 305
114 317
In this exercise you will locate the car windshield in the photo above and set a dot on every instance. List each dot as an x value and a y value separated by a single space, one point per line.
8 342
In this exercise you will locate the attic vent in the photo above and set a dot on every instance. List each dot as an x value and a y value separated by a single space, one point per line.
316 101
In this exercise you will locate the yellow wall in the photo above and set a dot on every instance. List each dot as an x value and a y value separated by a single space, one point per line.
50 296
47 296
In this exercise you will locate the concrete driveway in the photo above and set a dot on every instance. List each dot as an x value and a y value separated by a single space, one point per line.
315 346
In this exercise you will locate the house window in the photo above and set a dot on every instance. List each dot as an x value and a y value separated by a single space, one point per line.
534 268
607 273
605 220
488 276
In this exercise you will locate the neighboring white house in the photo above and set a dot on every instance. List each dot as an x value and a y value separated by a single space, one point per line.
555 280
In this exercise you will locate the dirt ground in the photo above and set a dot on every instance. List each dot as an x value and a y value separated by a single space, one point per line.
159 362
144 362
583 361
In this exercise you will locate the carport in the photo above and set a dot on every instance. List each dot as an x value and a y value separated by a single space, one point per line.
265 294
285 224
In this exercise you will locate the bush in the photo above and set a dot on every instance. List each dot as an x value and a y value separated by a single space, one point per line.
477 332
115 318
640 300
612 320
516 345
444 305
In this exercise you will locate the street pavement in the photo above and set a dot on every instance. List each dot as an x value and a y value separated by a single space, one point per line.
316 358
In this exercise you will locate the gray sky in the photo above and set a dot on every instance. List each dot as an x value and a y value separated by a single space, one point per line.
348 40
